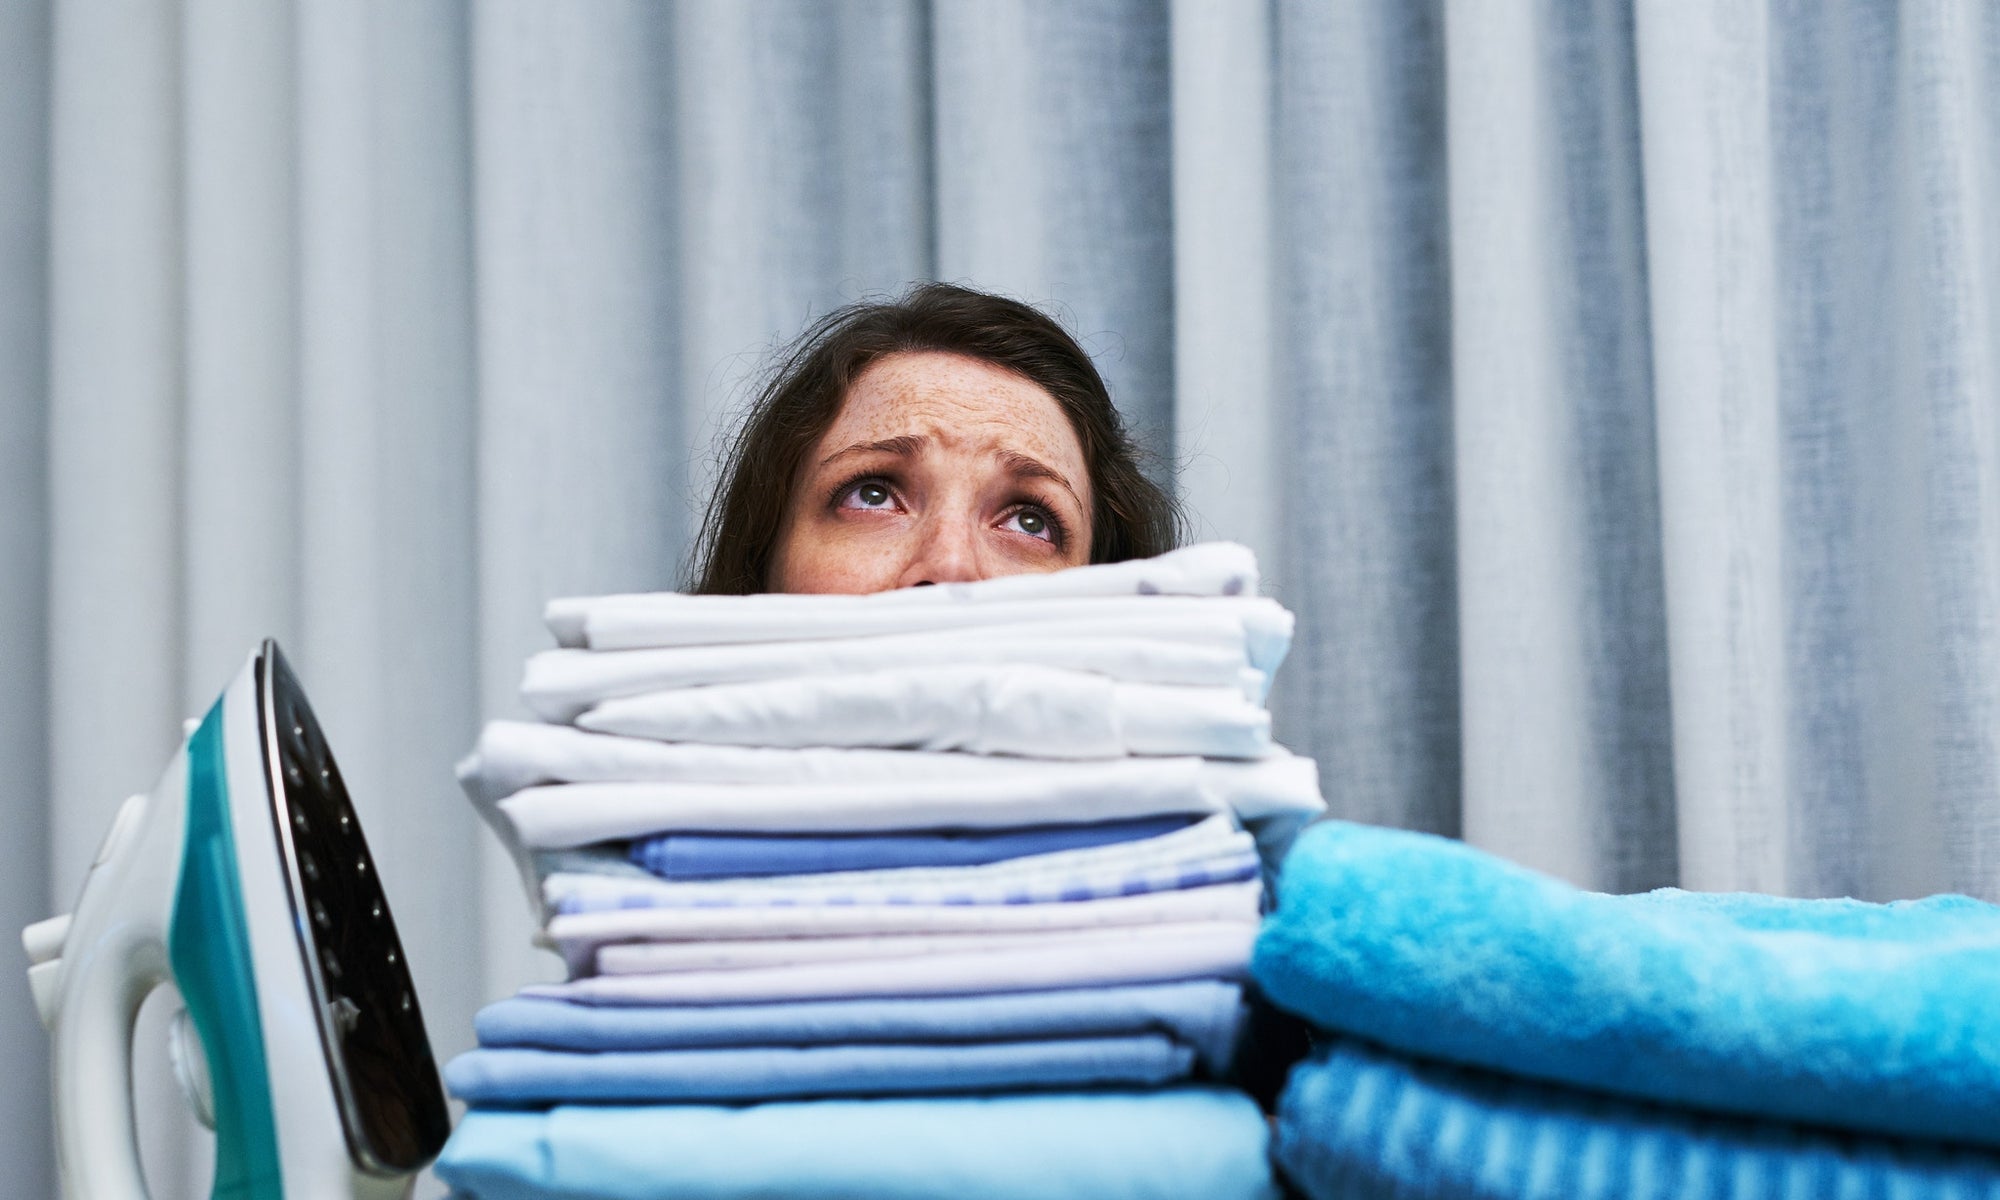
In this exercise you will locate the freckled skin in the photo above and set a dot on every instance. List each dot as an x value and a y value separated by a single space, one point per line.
957 496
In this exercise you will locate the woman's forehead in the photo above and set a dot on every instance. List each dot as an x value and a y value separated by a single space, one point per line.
957 404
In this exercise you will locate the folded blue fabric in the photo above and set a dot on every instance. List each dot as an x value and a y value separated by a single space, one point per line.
1356 1123
1162 1145
1203 1014
1878 1018
521 1076
690 856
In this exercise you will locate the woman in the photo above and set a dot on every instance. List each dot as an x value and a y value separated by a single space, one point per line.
944 436
948 435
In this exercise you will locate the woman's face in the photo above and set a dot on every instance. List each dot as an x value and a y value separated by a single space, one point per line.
938 469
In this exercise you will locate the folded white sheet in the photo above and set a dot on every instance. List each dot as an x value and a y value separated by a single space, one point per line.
1266 626
658 958
1039 712
613 622
512 755
577 936
554 816
1198 649
668 958
1140 954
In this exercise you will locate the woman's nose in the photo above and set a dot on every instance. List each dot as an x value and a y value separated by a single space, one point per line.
946 551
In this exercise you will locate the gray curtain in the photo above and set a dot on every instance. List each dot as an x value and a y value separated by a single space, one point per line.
1613 388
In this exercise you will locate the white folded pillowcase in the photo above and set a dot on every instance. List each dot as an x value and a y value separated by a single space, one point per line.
738 954
1200 649
671 958
555 816
578 936
512 755
626 621
1040 712
1140 954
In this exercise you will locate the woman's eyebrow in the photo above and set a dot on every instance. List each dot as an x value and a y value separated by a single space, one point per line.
1022 467
906 445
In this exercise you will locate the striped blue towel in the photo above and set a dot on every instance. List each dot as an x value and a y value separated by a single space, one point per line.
1357 1123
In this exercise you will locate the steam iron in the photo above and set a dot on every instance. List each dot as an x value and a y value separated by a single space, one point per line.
243 879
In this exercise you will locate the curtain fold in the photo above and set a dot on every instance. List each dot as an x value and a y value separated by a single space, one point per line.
1706 89
1054 139
805 177
1835 400
384 462
1364 384
1950 181
25 873
578 353
115 647
1225 406
1609 385
1563 675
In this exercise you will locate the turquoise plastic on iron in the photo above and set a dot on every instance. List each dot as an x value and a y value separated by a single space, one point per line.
209 948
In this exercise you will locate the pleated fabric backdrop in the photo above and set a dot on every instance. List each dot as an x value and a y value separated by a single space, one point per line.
1612 388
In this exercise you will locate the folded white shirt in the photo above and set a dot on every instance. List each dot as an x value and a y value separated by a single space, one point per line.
1039 712
554 816
737 954
578 936
512 755
661 958
1140 954
1200 649
737 620
623 621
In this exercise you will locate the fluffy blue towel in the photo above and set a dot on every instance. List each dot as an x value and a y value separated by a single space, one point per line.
1163 1145
519 1076
1203 1014
693 856
1878 1018
1361 1124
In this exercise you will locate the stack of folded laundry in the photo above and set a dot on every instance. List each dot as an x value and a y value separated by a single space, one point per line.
945 891
1526 1039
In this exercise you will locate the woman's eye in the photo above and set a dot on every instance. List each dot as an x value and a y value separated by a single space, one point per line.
869 495
1033 522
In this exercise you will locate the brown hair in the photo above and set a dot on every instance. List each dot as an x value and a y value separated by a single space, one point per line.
1132 516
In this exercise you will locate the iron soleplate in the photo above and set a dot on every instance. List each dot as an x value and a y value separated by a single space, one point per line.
378 1057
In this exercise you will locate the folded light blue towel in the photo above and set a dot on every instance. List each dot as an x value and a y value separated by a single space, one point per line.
696 856
1203 1014
1878 1018
1164 1145
520 1076
1357 1123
